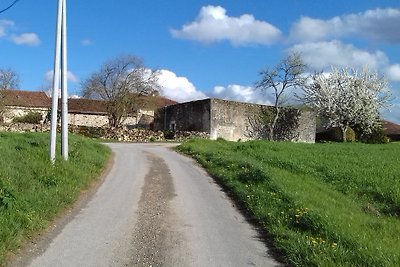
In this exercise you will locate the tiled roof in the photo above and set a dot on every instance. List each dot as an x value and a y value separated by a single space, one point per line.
90 106
154 102
391 128
26 98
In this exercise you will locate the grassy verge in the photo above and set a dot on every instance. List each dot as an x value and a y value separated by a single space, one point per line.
32 191
323 204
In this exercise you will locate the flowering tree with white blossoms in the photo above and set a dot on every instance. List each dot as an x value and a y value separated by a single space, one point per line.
348 98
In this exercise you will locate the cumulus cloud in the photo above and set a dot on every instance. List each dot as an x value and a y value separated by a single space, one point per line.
4 25
377 24
31 39
178 88
213 25
393 72
242 94
320 55
70 77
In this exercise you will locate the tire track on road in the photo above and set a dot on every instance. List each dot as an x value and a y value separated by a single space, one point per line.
155 236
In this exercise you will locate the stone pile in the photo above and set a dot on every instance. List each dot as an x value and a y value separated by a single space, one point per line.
120 134
145 135
24 127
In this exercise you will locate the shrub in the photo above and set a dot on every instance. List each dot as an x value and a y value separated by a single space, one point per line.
376 137
31 117
335 135
169 134
91 132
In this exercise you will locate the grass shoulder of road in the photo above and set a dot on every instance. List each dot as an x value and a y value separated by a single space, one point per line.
33 191
323 204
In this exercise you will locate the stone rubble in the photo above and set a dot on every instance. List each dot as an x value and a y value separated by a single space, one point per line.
106 133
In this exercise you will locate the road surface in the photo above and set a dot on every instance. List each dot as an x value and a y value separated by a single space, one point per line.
155 208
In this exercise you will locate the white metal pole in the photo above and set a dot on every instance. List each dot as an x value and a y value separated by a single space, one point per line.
64 88
56 85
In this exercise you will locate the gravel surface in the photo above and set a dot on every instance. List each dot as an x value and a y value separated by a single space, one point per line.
155 208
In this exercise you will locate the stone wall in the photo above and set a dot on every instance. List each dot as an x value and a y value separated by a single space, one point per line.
238 121
230 119
11 112
87 120
100 120
307 125
191 116
234 121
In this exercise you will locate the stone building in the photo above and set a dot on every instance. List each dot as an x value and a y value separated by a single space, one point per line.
232 120
16 103
81 112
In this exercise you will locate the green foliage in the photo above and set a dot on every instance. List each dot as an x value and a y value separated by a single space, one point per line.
31 117
335 135
91 132
33 191
350 135
377 136
332 204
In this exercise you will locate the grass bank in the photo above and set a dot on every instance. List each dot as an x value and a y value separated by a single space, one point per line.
32 191
323 204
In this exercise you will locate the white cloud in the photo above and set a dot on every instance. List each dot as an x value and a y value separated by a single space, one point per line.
213 25
320 55
4 25
392 114
377 24
311 30
70 77
177 88
86 42
393 72
241 93
31 39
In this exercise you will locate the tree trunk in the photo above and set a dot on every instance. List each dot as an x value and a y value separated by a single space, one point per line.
273 124
344 131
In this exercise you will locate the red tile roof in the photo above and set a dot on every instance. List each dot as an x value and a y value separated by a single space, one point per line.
89 106
26 98
390 128
154 102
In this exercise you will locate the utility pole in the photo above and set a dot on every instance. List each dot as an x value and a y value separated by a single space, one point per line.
64 82
60 51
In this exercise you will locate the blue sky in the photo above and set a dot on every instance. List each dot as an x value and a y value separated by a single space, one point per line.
204 48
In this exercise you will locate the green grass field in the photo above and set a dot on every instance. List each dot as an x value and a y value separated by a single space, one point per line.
33 191
323 204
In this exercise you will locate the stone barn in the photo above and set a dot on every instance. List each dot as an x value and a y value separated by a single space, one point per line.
233 120
81 111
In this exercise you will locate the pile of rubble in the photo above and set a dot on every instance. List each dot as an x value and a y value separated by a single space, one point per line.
24 127
120 134
145 135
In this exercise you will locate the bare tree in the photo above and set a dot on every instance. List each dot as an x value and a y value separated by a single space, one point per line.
287 75
9 79
120 82
348 98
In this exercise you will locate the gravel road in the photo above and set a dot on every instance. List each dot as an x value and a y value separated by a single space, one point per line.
154 208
